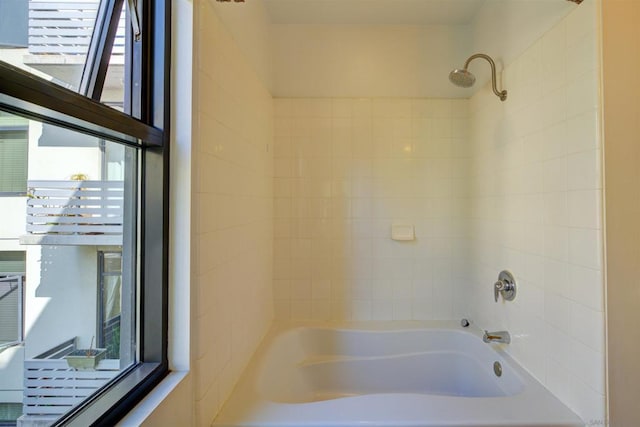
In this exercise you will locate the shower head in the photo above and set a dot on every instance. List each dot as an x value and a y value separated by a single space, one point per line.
464 78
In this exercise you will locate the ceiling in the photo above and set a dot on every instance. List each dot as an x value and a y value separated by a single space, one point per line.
373 12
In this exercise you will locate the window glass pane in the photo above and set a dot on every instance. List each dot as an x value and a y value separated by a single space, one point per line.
78 237
113 93
50 38
12 262
13 155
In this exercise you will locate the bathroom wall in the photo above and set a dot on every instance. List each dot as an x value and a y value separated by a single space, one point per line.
346 170
232 212
622 151
536 209
367 60
377 55
248 24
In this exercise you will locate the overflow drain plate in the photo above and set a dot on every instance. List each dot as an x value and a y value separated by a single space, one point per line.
497 369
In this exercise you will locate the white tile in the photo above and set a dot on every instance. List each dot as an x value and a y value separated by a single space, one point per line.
301 310
301 289
282 310
554 175
556 277
321 310
391 107
382 309
585 209
382 289
441 107
582 57
557 379
582 94
588 403
361 309
282 289
554 142
585 247
587 287
556 242
340 310
556 209
362 107
582 132
321 289
421 107
558 345
557 311
402 309
582 24
587 326
584 170
421 309
402 289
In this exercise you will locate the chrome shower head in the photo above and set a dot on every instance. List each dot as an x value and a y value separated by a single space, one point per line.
463 78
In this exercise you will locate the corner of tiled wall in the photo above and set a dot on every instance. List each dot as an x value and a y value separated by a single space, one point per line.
536 209
232 213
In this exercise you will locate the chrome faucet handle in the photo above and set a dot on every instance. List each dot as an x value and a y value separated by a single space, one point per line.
497 288
505 286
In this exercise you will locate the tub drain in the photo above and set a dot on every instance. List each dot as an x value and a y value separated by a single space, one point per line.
497 369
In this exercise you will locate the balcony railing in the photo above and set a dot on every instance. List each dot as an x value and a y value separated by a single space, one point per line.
63 27
52 388
74 213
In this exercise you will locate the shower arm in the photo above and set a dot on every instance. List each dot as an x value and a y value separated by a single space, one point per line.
502 95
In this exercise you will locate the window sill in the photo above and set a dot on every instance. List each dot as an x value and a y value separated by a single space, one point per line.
153 400
117 399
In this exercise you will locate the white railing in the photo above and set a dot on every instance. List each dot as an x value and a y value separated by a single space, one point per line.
52 388
74 213
63 27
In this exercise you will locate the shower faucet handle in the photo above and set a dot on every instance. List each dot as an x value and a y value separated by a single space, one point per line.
505 286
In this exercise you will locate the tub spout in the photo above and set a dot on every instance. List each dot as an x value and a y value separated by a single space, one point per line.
498 336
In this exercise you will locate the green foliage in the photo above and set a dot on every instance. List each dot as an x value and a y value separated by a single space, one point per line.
113 346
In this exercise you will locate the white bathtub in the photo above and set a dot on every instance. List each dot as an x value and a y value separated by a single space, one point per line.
387 374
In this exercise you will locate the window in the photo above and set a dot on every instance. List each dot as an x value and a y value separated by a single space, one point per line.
59 40
91 118
13 155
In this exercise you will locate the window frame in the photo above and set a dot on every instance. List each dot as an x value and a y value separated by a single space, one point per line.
20 323
147 128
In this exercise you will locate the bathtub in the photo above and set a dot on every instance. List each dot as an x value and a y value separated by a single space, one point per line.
392 374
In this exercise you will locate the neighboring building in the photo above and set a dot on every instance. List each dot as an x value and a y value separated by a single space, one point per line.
62 202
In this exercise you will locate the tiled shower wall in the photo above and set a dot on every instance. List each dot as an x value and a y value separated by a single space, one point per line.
536 209
232 213
345 171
